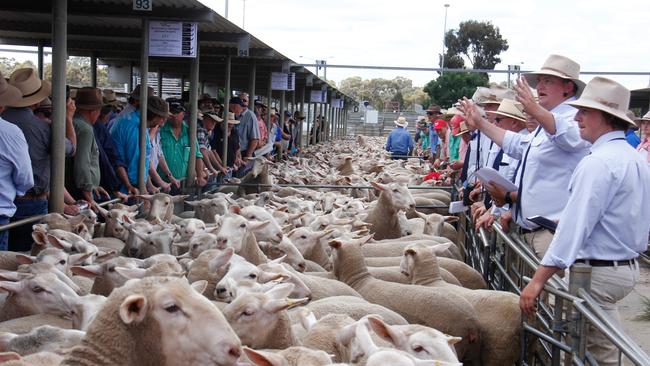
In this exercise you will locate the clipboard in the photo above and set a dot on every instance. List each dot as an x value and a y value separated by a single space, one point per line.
490 175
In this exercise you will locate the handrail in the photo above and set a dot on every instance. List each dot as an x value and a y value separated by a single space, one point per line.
37 218
324 186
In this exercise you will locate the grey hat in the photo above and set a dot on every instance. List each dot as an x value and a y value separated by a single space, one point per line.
135 94
158 106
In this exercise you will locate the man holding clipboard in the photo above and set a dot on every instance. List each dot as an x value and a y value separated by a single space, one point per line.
548 155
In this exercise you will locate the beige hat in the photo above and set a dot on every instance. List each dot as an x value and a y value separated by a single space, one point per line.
212 116
33 89
645 118
9 94
492 95
422 118
560 66
511 109
453 111
463 129
402 122
231 119
605 95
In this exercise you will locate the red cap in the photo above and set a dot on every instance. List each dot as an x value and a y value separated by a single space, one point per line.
439 124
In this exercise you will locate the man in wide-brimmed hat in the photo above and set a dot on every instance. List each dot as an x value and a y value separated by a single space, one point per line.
15 166
133 105
37 134
605 222
86 172
643 147
399 142
549 155
433 113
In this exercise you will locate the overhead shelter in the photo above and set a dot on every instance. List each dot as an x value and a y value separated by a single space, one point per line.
113 32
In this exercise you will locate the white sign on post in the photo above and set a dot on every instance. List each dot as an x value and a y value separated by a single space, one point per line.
172 39
283 81
316 96
144 5
242 46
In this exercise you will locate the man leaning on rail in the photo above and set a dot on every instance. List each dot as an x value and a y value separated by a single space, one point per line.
605 222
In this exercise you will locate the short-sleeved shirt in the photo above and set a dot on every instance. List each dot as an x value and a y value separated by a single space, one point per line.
176 150
125 133
109 159
203 137
37 135
233 144
15 167
247 128
86 160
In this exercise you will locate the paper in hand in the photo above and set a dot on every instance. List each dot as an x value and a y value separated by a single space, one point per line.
490 175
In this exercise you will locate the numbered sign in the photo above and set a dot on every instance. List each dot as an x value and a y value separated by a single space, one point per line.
172 39
142 5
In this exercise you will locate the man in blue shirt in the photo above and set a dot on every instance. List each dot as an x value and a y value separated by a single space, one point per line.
433 113
399 141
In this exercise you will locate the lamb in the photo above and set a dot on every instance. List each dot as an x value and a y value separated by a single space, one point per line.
285 248
207 209
45 338
236 232
114 217
35 294
383 218
500 327
151 243
85 310
271 232
309 244
454 316
410 226
129 328
210 266
239 269
36 359
354 307
323 336
292 356
74 224
161 206
105 275
187 228
260 319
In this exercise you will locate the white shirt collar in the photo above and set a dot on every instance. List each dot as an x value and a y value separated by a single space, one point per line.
603 139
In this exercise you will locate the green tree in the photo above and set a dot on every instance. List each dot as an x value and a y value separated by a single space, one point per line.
380 91
480 43
451 86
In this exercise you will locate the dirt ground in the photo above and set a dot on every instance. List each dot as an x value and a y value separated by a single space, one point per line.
631 306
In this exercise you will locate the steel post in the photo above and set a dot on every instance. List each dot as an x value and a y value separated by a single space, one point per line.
269 96
41 64
144 96
227 94
579 277
93 69
194 115
159 81
251 86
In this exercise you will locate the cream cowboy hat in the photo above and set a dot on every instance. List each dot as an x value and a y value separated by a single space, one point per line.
511 109
231 119
401 121
33 89
492 95
560 66
463 129
640 120
9 94
453 111
607 96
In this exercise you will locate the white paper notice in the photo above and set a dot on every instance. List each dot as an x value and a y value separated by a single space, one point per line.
456 207
489 175
172 39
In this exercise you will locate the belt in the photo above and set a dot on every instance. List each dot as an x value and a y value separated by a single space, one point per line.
528 231
604 263
31 197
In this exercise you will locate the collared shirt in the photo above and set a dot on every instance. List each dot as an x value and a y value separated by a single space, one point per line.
606 215
454 147
232 148
475 156
643 149
507 169
264 133
128 109
86 160
548 167
247 128
424 138
202 137
15 167
37 135
399 141
487 150
125 134
109 159
434 140
176 150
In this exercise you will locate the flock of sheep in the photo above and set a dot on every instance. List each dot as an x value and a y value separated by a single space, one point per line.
288 276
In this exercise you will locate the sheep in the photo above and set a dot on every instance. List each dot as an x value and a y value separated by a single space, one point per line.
392 249
44 338
323 336
25 271
162 269
239 269
271 232
36 359
500 327
285 248
106 278
236 232
26 323
410 226
38 293
454 315
354 307
210 266
161 205
157 321
85 310
151 243
114 220
292 356
309 244
260 319
187 228
74 224
207 209
383 218
8 261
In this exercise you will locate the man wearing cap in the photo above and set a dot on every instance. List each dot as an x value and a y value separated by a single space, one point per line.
15 166
37 134
433 113
233 142
549 155
204 136
604 224
249 132
126 136
399 140
85 167
132 105
175 144
440 125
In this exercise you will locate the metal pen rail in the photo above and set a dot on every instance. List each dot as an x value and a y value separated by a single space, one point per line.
324 186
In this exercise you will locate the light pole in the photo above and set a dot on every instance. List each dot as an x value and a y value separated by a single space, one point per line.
243 24
444 34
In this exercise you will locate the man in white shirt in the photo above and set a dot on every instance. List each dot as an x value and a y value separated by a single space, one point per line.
549 154
605 223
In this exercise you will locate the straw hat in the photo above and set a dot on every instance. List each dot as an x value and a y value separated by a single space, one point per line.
640 120
212 116
492 95
463 129
231 119
422 118
33 89
453 111
401 121
560 66
109 97
88 98
9 94
511 109
607 96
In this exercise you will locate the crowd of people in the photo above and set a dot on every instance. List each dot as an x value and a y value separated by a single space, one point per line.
102 145
578 157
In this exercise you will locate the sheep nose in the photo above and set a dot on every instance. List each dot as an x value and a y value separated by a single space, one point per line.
221 240
412 206
221 290
234 351
133 252
302 266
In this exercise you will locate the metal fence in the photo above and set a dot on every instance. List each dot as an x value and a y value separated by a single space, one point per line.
566 311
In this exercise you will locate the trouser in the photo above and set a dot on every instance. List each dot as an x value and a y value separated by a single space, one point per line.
4 235
539 241
609 285
396 155
21 237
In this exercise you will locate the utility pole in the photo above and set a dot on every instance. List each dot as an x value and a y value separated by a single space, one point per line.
444 33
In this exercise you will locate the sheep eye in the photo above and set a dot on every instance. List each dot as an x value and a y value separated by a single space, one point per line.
247 313
252 276
253 217
62 261
395 190
242 226
38 289
172 308
303 236
195 246
166 203
418 349
111 269
151 243
73 250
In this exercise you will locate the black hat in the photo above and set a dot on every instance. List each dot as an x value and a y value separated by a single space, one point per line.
176 106
237 100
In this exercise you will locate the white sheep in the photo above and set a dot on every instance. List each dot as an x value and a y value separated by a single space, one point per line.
384 218
292 356
35 294
45 338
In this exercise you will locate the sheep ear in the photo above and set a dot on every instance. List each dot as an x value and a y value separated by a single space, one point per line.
91 271
410 251
253 225
25 259
452 340
274 306
265 277
325 233
280 292
104 256
133 309
131 272
235 209
12 275
386 332
61 244
40 237
220 260
421 215
9 356
146 197
378 186
451 218
179 198
10 286
261 358
278 260
335 244
5 340
441 248
200 286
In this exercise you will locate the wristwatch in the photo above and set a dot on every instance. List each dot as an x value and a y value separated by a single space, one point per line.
507 198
